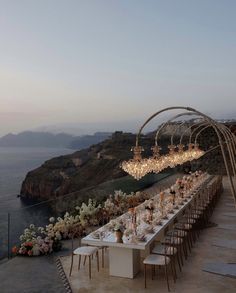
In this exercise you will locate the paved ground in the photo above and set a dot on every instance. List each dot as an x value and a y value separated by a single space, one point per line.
216 246
40 274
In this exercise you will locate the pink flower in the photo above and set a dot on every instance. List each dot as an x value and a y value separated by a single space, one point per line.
30 252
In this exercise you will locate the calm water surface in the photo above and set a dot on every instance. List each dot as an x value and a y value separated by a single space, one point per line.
15 163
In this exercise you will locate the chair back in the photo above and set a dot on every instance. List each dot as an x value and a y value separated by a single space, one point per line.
76 232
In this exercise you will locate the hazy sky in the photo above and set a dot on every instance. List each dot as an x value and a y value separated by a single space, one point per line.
113 61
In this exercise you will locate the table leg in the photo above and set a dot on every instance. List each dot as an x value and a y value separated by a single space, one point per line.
124 262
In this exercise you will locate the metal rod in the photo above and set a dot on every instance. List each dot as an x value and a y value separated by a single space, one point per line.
8 235
167 122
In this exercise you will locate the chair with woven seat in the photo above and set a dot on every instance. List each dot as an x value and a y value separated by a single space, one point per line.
154 260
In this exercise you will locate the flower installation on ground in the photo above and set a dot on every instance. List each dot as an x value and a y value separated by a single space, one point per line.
44 240
37 241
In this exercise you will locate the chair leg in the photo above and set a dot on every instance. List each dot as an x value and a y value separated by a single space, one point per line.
167 280
89 266
188 242
172 269
185 248
98 261
71 266
179 262
183 252
85 259
145 276
79 262
103 257
180 254
174 262
152 272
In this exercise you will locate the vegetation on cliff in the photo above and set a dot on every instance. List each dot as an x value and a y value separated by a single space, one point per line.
82 169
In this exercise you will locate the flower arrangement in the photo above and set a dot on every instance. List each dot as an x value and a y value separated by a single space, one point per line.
119 227
61 228
34 241
88 214
128 232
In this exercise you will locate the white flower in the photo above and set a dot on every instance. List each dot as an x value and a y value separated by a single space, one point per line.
36 250
58 235
52 220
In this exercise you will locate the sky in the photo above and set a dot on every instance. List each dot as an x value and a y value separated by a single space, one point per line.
111 64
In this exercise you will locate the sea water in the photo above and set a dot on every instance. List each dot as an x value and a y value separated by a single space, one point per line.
15 215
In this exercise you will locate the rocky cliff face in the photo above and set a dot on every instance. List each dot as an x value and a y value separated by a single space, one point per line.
82 169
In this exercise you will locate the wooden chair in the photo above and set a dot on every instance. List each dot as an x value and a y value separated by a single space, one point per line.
86 251
157 260
171 252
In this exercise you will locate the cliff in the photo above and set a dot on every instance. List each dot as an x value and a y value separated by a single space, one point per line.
82 169
100 163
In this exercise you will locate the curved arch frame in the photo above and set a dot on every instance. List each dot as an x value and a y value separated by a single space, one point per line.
216 127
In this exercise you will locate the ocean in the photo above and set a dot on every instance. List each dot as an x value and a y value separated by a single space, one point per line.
15 163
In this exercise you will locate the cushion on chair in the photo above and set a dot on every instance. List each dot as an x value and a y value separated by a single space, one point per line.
155 259
85 250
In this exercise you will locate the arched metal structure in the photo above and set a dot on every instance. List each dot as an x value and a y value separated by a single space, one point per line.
223 137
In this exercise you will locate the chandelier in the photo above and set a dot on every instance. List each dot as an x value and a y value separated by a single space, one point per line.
138 167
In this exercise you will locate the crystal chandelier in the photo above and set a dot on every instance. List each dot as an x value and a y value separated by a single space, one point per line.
180 155
136 167
156 162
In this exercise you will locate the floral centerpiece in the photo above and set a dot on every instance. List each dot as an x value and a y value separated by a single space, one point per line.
150 208
119 230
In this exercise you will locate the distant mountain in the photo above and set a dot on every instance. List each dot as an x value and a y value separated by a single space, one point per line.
46 139
85 141
82 128
36 139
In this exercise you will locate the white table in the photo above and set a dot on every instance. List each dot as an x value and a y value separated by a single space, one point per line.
124 258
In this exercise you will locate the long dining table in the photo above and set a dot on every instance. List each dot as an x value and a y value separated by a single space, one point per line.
124 258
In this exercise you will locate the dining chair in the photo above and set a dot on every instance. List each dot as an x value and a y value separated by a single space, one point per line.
154 260
85 251
171 252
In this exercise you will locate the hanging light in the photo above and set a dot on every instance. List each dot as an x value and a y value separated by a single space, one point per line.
197 152
156 162
180 154
136 167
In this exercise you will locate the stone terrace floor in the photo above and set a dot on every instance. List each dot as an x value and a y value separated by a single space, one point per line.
215 247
